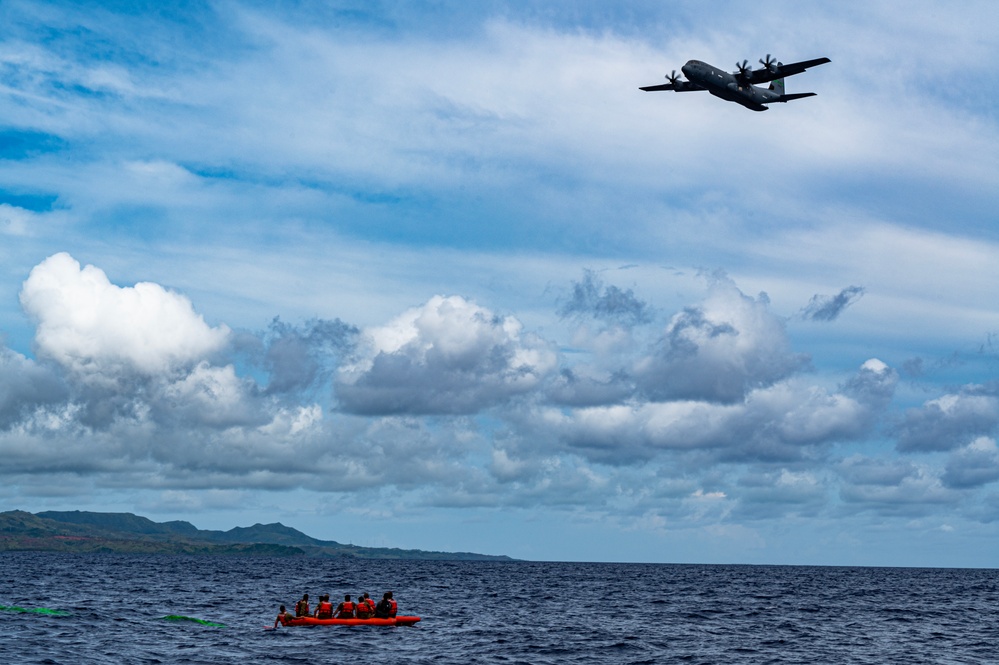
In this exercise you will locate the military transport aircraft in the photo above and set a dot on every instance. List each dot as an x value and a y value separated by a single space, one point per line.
739 86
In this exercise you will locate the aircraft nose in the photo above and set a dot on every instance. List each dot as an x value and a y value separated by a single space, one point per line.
686 70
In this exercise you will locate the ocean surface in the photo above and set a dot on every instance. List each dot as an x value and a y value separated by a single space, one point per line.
493 612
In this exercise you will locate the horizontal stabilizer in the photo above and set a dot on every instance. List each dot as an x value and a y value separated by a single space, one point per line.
797 95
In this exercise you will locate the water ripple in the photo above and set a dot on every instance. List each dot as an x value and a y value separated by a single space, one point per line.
491 612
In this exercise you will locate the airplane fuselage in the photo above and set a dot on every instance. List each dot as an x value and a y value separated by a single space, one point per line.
728 86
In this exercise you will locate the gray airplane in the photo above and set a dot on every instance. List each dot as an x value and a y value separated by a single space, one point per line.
740 85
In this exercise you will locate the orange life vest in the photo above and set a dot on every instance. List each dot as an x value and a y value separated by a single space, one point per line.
347 610
302 609
324 611
395 607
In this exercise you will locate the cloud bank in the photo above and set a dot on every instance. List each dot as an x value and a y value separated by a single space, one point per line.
460 405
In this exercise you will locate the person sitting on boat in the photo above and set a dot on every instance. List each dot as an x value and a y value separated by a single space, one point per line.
386 607
283 617
302 607
370 603
345 610
363 610
325 608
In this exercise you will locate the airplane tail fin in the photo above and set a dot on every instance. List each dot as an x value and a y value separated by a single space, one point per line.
778 87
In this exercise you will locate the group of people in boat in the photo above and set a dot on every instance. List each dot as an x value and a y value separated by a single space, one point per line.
363 608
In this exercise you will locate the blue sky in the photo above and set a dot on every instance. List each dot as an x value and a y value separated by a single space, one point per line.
439 275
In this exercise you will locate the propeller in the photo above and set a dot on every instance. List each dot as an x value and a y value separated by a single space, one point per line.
672 78
769 63
744 69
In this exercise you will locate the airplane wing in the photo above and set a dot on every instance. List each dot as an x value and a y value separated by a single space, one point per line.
679 86
764 75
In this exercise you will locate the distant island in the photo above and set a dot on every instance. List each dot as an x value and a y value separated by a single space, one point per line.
81 531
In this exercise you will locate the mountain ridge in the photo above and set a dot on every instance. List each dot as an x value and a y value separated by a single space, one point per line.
85 531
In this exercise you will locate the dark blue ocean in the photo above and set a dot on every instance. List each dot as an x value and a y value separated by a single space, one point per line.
475 612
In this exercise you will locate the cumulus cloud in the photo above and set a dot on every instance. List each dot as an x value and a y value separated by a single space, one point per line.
881 472
507 468
873 385
25 387
773 494
973 465
891 487
950 421
785 422
448 356
171 415
210 395
828 308
298 357
590 297
100 331
719 351
179 418
574 388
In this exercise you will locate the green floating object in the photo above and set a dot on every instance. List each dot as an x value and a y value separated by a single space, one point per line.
35 610
179 617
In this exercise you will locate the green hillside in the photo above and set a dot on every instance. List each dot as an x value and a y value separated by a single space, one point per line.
81 531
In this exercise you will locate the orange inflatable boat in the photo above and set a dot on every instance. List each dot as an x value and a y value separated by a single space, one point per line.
312 621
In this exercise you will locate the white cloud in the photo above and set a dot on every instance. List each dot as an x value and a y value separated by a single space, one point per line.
213 396
784 422
914 496
448 356
505 468
720 350
973 465
99 331
780 493
861 470
26 388
290 423
949 421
